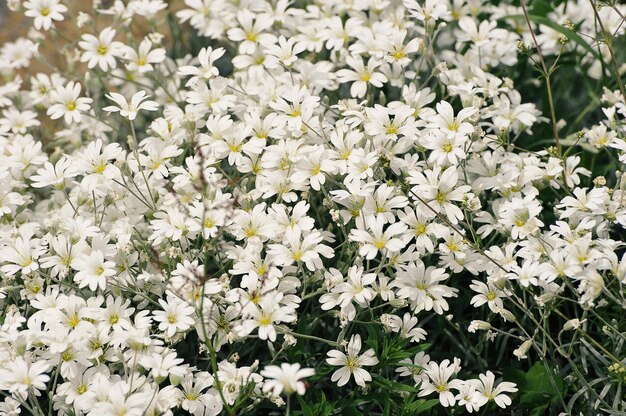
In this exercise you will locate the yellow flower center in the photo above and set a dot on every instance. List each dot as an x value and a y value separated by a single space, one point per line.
255 297
420 229
265 320
74 320
102 50
398 54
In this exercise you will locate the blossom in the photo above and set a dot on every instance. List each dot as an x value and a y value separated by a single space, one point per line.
439 381
439 189
139 101
44 12
207 70
93 270
301 248
19 376
490 391
53 175
101 50
376 239
422 286
415 367
361 75
67 104
142 59
352 363
285 378
175 316
268 313
260 143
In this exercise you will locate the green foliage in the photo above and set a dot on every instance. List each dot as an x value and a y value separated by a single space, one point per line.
540 389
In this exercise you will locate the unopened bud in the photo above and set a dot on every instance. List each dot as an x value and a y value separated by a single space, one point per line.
599 181
478 325
506 315
521 351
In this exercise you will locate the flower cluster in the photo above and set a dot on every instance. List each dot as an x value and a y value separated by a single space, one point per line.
211 206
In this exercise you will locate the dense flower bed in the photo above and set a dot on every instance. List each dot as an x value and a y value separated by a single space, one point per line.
339 207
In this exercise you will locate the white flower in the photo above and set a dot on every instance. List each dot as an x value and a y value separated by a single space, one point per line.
376 239
19 376
361 76
431 9
101 50
415 368
53 175
67 104
352 363
250 33
176 316
207 70
489 391
439 189
285 378
93 270
268 313
44 12
439 381
141 60
422 286
305 248
129 110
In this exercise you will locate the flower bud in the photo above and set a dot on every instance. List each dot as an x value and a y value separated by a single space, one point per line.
521 351
478 325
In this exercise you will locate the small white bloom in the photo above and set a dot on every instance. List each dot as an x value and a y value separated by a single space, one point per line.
285 378
352 363
139 101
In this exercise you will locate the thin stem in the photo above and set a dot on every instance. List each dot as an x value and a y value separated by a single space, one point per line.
546 75
143 174
608 42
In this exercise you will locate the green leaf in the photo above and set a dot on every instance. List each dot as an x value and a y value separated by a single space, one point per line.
306 409
536 392
372 336
561 29
422 406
